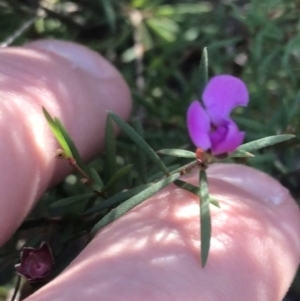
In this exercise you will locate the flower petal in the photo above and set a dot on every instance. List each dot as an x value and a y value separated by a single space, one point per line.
198 124
222 94
226 138
26 252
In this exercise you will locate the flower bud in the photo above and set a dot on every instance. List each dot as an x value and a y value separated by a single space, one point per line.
36 263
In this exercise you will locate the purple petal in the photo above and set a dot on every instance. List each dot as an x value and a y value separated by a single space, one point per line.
198 124
226 138
222 94
26 251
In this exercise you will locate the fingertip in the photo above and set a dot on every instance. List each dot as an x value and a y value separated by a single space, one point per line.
254 249
79 56
74 84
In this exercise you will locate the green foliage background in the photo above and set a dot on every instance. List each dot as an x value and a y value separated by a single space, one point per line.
256 41
157 45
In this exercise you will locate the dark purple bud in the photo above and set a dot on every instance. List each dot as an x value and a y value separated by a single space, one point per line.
36 263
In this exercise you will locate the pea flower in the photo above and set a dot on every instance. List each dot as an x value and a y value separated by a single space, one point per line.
36 263
211 128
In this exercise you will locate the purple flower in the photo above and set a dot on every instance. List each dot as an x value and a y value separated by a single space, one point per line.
211 127
36 263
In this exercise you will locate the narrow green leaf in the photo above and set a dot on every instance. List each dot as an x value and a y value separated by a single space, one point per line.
185 168
264 142
57 134
64 139
194 190
117 198
240 154
205 219
133 201
97 181
70 143
165 28
142 160
72 200
158 175
140 142
117 176
184 8
146 37
110 147
203 72
177 153
110 13
213 201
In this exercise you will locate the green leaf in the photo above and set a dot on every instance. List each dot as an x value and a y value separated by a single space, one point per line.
179 9
117 176
117 198
110 13
213 201
203 72
97 184
177 153
166 28
264 142
133 201
205 219
155 176
145 35
140 142
64 139
142 160
194 190
70 144
110 147
57 134
240 154
185 168
72 200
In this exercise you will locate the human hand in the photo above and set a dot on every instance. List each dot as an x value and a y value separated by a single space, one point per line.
152 253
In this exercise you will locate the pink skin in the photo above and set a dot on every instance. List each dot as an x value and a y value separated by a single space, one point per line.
152 253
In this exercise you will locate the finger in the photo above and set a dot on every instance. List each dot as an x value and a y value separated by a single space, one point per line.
152 253
71 82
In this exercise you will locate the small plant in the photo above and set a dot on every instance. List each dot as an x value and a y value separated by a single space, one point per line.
216 137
